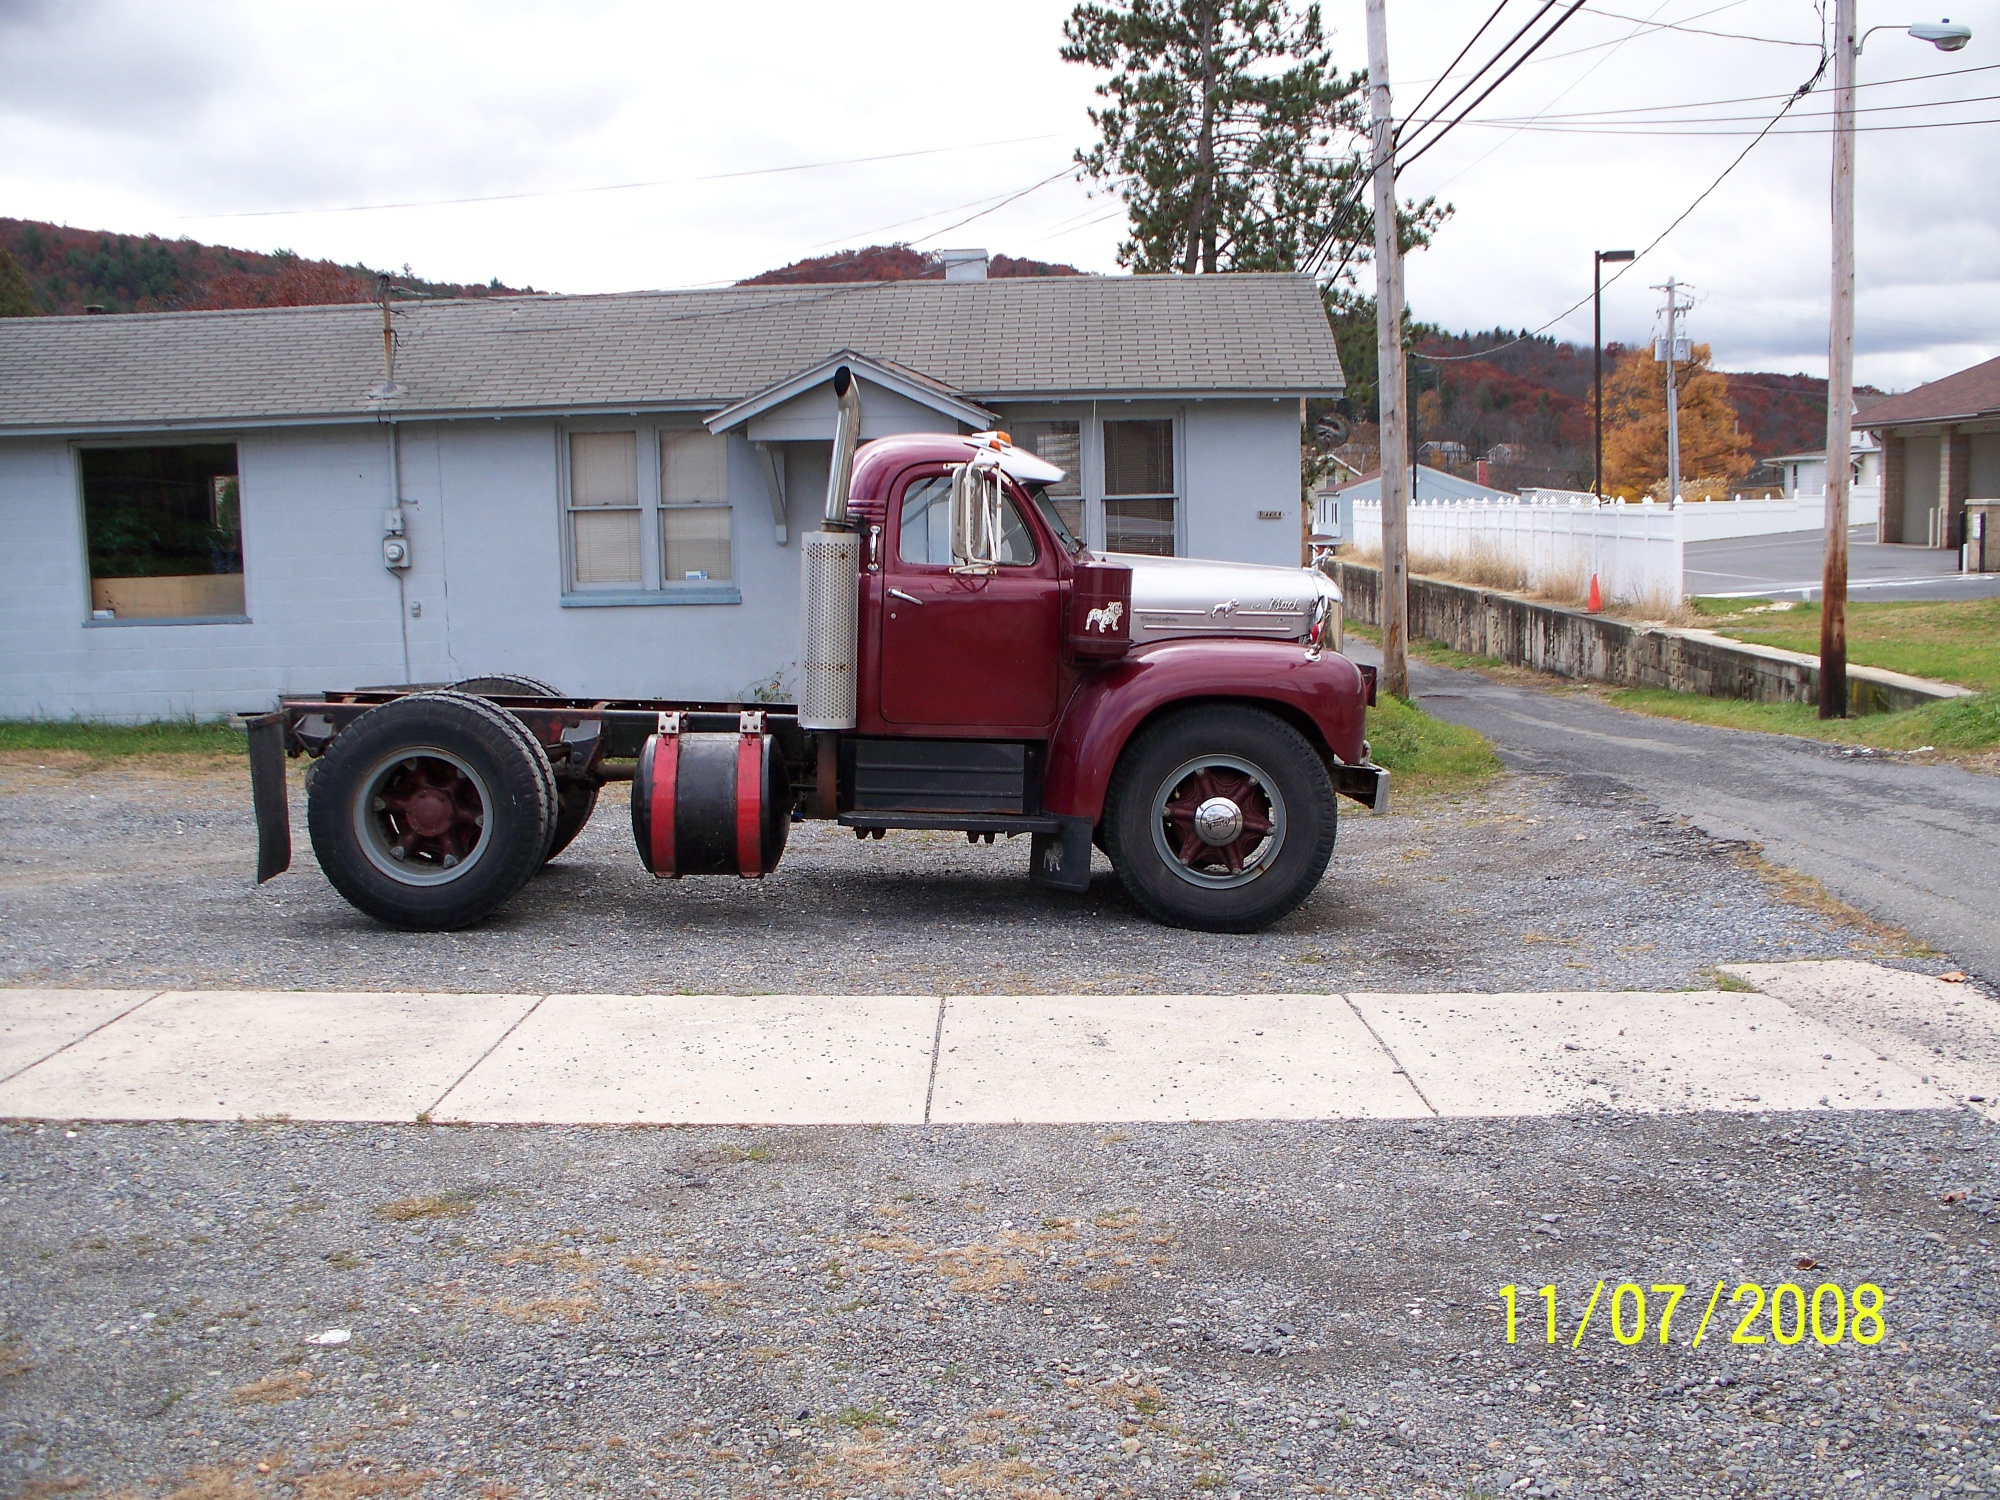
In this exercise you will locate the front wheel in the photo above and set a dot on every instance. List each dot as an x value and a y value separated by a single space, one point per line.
1220 818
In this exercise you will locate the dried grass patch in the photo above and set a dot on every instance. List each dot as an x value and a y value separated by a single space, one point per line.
1013 1478
273 1390
214 1484
13 1362
358 1481
541 1309
549 1253
1796 888
721 1296
428 1206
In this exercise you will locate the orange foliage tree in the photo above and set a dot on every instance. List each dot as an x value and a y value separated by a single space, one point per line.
1714 448
296 283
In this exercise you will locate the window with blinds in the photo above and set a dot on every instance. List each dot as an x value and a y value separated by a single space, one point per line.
1061 443
694 508
1140 499
604 510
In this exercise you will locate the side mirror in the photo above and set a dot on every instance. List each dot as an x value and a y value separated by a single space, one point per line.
978 518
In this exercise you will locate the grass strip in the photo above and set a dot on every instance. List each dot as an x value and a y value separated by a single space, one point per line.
121 741
1947 640
1425 756
1958 724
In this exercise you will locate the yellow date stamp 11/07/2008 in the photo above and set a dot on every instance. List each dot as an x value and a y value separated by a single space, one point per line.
1828 1313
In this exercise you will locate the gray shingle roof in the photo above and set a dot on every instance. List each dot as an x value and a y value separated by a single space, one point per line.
1014 338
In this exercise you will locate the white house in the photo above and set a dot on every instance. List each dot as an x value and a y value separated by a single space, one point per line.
1803 475
199 511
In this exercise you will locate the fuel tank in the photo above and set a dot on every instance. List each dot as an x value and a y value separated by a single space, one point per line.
1174 597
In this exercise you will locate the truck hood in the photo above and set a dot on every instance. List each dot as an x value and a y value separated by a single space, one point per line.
1184 596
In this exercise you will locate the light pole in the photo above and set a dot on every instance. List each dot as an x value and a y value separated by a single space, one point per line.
1598 258
1390 390
1840 344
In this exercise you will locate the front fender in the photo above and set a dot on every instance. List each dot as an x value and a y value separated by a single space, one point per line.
1325 696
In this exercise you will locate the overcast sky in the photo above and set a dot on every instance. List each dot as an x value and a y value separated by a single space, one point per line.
269 126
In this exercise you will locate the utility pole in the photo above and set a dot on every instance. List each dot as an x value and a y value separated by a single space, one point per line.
1390 379
1847 47
1839 376
1669 348
1598 258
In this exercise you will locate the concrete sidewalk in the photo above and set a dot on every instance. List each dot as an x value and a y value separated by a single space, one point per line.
1838 1035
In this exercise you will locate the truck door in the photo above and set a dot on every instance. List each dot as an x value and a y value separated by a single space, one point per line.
967 650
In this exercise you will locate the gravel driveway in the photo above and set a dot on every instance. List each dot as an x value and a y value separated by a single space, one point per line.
1152 1310
1079 1311
126 878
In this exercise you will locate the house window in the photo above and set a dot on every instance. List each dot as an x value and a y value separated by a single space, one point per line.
604 510
164 526
1139 496
694 508
1061 443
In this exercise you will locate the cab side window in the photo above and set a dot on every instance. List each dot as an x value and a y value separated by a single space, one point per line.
924 536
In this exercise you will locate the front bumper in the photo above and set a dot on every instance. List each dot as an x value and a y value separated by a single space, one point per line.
1367 783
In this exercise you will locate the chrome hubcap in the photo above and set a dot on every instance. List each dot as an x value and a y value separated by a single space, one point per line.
1218 821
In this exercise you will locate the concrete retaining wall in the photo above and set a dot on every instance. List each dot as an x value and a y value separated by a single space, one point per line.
1570 643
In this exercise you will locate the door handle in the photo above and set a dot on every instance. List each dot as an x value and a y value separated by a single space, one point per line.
906 598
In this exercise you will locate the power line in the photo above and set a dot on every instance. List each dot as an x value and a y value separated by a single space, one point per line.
620 187
1739 134
1799 93
1642 109
1415 126
1325 244
1470 43
1733 36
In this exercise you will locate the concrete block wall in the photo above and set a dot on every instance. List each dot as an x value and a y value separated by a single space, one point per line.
1596 648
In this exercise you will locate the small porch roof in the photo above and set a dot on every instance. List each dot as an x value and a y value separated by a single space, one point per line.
909 384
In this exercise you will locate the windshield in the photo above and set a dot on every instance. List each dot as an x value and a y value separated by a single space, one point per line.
1046 508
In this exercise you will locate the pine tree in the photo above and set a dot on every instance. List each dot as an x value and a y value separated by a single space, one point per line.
1230 134
16 299
1713 446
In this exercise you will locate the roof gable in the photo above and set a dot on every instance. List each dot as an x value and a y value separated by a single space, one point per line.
1969 393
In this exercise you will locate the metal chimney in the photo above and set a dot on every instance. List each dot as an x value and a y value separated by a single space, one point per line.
963 265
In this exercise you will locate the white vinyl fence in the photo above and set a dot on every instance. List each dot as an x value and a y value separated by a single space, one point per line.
1563 536
1634 550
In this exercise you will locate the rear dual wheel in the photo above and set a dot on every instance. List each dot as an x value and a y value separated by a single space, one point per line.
431 811
1220 818
576 799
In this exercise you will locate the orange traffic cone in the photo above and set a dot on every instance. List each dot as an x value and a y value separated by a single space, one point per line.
1596 605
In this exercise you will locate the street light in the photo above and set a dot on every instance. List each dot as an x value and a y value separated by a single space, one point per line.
1946 37
1597 361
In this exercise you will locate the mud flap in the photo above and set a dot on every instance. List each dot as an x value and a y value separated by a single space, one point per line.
1060 861
268 796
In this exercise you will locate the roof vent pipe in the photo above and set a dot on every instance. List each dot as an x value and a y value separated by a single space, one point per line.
846 431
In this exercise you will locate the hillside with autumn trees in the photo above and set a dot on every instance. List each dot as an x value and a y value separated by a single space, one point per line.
72 270
1522 402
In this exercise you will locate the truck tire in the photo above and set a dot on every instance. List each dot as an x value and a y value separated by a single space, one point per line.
575 802
1220 818
506 685
431 811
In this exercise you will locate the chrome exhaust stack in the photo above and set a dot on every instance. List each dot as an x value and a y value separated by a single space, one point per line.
830 610
846 433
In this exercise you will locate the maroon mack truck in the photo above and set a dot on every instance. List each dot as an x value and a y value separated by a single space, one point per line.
966 663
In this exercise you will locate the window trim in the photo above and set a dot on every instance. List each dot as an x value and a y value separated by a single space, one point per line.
652 588
169 439
1046 549
1142 411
